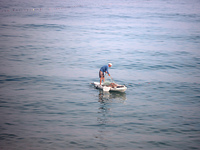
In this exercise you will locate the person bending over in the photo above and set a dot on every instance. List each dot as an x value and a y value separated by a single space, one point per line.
102 70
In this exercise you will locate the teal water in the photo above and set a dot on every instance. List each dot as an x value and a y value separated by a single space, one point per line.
51 51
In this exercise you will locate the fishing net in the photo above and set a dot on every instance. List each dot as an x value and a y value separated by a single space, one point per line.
108 80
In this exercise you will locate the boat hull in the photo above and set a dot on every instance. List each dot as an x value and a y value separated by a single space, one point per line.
119 88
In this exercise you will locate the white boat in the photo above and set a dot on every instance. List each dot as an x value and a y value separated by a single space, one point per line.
105 87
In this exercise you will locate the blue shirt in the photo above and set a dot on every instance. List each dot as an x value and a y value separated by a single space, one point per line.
105 69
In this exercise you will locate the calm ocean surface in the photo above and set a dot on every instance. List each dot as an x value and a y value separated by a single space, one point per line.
50 52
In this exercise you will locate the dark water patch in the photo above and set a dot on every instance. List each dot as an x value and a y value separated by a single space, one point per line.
184 17
179 17
10 124
56 27
160 54
45 26
6 136
13 36
197 59
182 53
160 67
159 144
4 26
5 78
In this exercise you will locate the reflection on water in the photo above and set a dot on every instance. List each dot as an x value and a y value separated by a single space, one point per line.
104 118
109 97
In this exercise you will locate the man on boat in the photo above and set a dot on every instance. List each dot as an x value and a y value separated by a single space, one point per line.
102 70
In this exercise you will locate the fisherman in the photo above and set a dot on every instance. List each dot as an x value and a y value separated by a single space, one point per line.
102 70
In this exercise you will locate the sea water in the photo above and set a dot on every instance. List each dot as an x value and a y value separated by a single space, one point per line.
50 52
